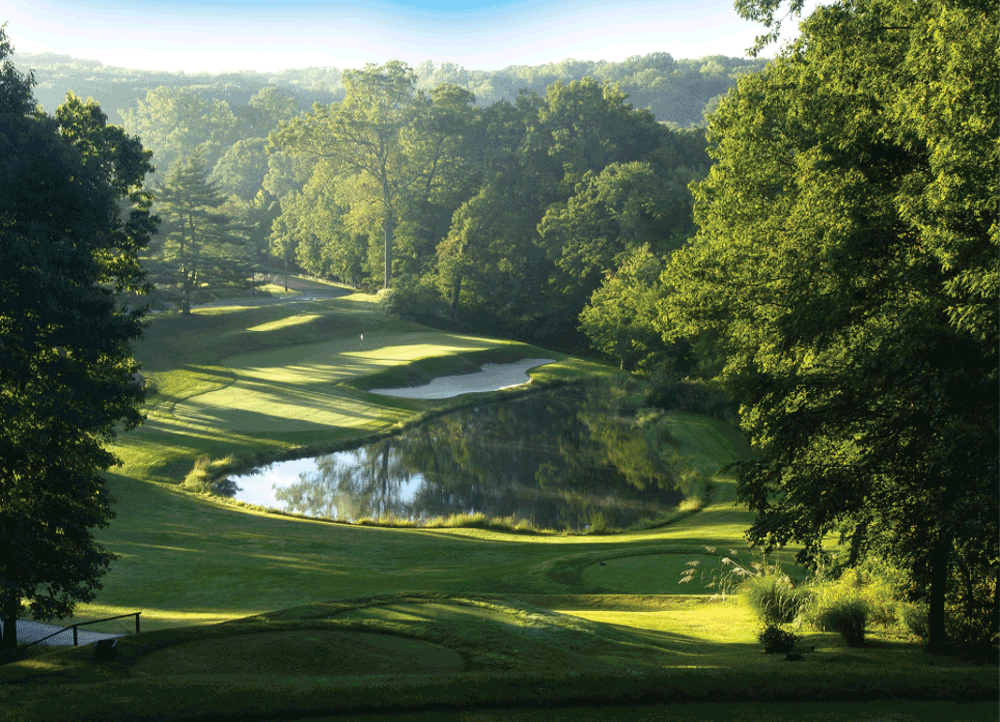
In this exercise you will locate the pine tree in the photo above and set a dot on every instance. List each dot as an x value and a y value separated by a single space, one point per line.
199 246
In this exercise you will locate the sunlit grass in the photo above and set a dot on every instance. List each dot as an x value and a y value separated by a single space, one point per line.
295 320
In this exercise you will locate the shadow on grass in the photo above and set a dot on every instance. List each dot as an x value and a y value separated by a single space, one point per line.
443 652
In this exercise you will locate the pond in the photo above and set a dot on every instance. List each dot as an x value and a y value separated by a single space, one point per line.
558 459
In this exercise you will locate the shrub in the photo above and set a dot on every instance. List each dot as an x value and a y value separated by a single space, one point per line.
413 298
915 619
777 640
846 616
199 479
878 584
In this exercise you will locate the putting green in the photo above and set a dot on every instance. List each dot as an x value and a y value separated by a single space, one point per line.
296 388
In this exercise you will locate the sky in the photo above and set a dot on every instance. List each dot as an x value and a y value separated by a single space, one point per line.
215 36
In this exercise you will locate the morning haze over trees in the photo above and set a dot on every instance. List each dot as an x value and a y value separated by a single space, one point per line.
813 239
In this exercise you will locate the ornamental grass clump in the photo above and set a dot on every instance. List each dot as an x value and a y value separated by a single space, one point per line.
725 580
774 598
773 595
846 616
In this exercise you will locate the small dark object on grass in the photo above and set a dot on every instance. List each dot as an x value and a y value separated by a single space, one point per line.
793 657
777 640
601 563
105 650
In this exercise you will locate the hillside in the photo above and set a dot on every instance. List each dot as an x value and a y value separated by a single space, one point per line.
675 91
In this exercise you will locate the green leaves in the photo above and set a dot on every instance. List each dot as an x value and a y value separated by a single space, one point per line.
362 138
173 121
620 319
73 218
847 257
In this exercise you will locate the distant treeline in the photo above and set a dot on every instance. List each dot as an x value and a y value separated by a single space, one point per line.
508 202
674 91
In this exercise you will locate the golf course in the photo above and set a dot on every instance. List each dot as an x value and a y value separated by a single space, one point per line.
248 613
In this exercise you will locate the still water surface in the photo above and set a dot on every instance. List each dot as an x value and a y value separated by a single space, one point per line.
558 459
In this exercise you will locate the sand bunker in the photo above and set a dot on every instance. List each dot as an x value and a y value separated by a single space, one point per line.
493 377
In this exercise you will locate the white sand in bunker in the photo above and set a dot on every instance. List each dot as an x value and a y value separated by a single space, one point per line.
492 377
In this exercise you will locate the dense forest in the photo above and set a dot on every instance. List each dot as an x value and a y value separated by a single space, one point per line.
496 201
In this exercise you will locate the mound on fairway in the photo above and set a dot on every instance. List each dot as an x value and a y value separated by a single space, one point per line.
304 652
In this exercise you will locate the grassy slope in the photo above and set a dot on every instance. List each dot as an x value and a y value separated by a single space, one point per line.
403 652
282 377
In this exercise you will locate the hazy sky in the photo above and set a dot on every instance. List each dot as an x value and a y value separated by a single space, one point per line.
212 35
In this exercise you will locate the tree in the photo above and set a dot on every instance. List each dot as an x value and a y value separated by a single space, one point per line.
362 137
620 319
198 244
174 121
73 218
311 229
439 141
266 109
242 168
610 214
847 258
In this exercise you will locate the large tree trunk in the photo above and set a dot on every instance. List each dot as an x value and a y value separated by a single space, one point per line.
8 639
390 227
456 292
937 636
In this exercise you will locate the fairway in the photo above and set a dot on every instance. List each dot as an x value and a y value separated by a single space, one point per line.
237 601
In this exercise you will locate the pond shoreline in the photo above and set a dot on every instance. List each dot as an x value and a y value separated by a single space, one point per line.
246 463
519 463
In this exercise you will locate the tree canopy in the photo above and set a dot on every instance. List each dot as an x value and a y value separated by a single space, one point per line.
846 256
361 140
73 218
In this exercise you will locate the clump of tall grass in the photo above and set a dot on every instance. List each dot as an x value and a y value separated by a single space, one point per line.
767 586
199 479
476 520
775 598
848 616
862 596
209 476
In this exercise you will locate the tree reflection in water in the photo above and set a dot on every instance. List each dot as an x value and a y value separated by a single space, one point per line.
563 459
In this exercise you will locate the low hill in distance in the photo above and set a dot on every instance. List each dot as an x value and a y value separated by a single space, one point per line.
675 91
